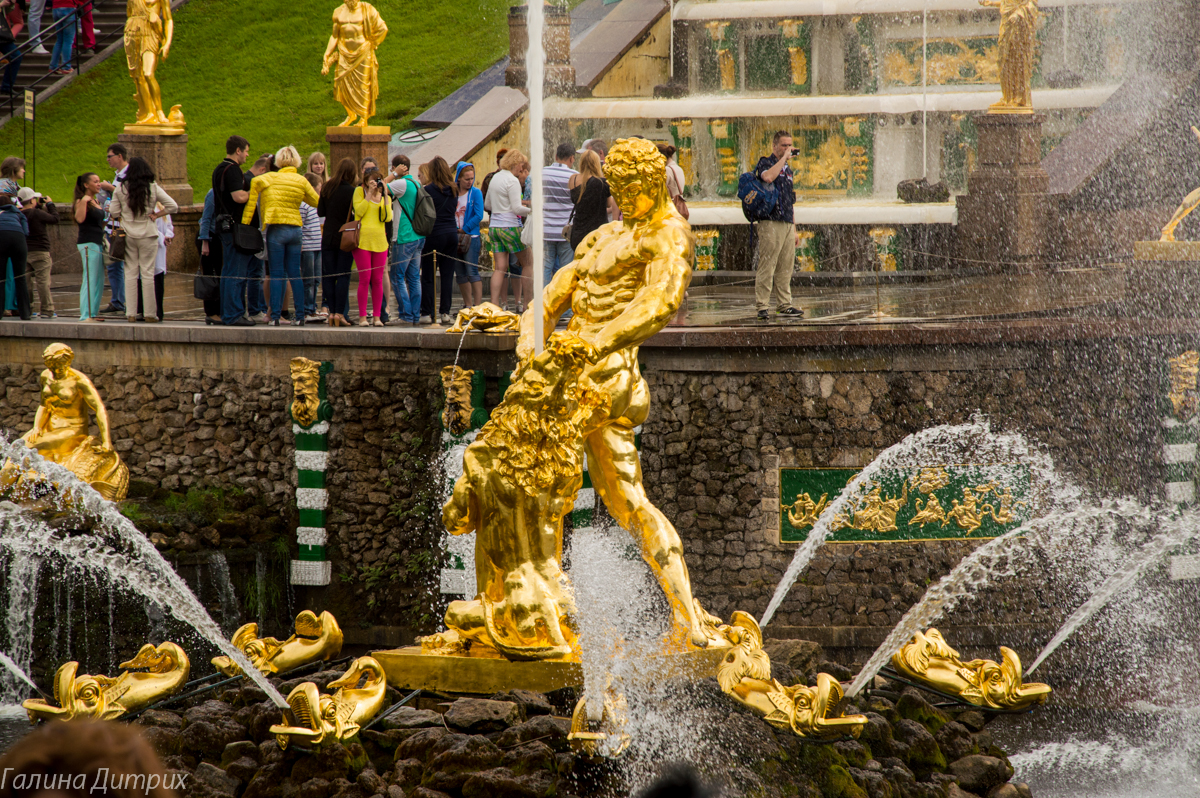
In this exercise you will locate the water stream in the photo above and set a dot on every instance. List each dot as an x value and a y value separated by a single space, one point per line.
16 670
113 547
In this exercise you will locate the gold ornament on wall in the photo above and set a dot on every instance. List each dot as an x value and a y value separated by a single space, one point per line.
306 383
928 660
155 673
316 638
456 385
1183 374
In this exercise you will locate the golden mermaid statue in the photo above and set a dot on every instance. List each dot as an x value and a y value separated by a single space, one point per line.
61 428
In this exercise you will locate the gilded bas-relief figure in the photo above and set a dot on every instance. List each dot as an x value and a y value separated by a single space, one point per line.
1183 374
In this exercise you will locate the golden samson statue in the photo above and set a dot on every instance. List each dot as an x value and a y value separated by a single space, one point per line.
1018 39
582 397
357 31
60 428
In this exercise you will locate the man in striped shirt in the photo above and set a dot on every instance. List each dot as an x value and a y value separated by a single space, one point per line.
558 206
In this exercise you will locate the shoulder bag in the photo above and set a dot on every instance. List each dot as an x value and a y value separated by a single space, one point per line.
350 231
247 238
115 244
568 228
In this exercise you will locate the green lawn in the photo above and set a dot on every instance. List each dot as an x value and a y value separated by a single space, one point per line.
266 84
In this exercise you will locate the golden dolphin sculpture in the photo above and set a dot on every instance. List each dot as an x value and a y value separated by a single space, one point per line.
745 675
155 673
982 682
316 638
320 718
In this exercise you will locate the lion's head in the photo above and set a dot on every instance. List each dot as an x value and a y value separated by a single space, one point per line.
306 383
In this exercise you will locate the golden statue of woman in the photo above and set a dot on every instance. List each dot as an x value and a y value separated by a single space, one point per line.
60 428
357 31
1018 38
149 30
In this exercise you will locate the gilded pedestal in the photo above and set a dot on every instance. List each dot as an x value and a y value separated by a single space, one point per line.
357 143
1002 217
167 156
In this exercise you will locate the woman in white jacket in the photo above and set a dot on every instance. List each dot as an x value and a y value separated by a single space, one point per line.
134 204
505 205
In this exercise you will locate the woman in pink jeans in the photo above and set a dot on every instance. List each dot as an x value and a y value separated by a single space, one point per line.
374 212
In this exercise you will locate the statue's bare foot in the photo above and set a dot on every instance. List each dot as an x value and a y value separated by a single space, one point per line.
1167 235
348 121
361 123
699 639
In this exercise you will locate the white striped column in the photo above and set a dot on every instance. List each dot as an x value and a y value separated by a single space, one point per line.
1181 430
312 455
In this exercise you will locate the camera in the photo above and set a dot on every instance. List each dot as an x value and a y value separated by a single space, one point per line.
795 151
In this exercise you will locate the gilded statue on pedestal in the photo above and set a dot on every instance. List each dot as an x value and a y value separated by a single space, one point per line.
1018 39
626 282
927 659
316 638
327 718
155 673
357 31
149 30
60 428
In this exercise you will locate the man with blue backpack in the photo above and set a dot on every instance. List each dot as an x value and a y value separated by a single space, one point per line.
767 196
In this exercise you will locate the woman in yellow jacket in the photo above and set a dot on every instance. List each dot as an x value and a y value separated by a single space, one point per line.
374 212
282 192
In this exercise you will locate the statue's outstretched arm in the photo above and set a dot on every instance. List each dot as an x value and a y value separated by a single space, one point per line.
556 299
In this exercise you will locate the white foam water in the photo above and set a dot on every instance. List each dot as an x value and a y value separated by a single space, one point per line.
113 547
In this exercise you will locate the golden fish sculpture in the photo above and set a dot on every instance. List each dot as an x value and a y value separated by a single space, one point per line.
316 638
982 682
745 675
324 718
486 317
155 673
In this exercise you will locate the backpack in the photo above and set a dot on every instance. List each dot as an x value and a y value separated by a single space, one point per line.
758 198
424 214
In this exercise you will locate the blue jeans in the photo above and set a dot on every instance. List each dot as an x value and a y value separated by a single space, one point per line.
283 253
233 281
405 276
14 65
64 42
116 283
558 254
256 303
310 270
469 272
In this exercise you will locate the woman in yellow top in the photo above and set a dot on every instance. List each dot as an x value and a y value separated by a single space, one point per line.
282 192
374 212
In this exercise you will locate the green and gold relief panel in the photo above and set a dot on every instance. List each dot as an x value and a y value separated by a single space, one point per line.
938 502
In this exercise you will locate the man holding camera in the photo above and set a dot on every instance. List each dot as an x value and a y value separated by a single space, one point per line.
39 211
776 252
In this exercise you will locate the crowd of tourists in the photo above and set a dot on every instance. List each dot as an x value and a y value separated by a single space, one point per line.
278 240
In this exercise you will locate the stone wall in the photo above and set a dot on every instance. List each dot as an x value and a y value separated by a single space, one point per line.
728 410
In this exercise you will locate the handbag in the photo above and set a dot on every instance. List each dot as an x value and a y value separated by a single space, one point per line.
350 232
681 205
464 242
206 287
116 244
567 228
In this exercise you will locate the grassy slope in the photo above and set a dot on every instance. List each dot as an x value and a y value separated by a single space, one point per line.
269 89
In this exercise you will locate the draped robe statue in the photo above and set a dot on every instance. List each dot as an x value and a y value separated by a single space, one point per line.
1018 39
357 31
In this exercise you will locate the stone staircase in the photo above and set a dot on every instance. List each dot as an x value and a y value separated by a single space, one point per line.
108 16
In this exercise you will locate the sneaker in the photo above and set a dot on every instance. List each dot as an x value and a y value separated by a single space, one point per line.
39 50
153 320
50 315
763 315
313 318
261 318
88 52
446 319
426 320
111 308
242 322
791 312
280 321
